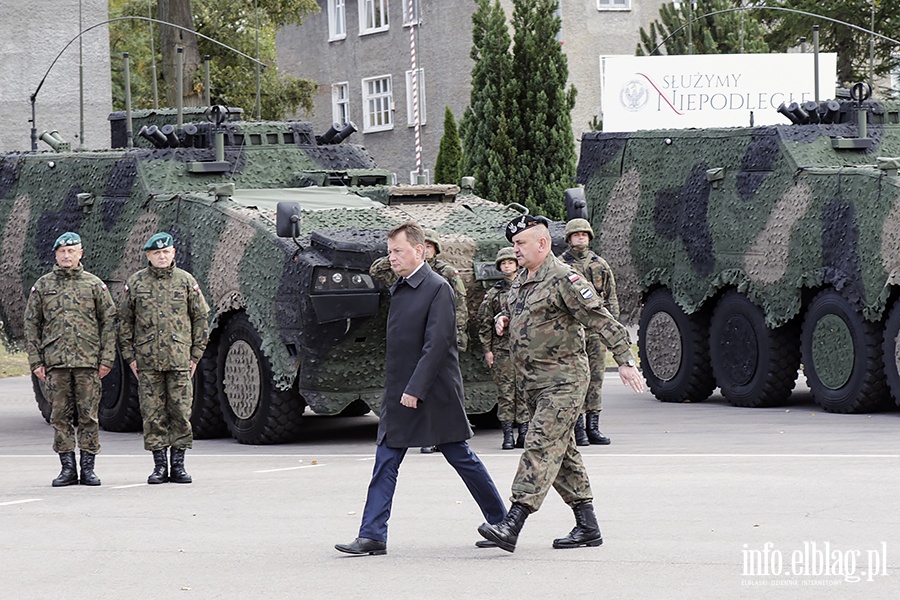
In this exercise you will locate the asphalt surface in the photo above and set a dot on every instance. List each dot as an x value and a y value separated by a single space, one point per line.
695 501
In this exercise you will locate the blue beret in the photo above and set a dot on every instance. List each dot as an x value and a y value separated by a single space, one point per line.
520 224
69 238
158 241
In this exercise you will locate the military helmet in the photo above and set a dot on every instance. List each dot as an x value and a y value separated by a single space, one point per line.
578 226
504 254
432 236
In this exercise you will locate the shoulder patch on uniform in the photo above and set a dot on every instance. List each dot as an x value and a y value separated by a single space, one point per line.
103 285
587 293
573 277
126 287
196 287
32 290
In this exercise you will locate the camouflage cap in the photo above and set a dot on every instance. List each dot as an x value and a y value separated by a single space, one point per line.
520 224
158 241
579 226
431 236
504 254
69 238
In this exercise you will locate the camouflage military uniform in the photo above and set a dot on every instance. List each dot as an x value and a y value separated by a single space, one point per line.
598 273
70 331
163 327
548 315
381 271
509 407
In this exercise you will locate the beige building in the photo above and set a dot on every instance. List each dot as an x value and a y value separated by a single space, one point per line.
359 53
32 34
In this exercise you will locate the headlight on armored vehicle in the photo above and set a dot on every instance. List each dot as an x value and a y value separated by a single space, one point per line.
327 279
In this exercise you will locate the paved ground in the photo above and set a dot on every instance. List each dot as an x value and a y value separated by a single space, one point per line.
695 501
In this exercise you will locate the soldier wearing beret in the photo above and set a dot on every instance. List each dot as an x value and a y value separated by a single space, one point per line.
163 332
71 342
548 309
597 272
510 408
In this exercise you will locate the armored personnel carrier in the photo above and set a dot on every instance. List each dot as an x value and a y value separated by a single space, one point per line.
297 323
743 252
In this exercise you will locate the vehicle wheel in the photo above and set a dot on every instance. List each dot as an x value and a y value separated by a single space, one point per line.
486 420
753 365
254 410
119 406
41 397
841 356
891 351
206 413
674 350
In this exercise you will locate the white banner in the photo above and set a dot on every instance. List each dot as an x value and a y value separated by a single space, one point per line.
708 90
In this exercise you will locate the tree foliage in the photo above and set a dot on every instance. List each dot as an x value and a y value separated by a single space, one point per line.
724 33
232 77
449 158
517 130
488 152
851 45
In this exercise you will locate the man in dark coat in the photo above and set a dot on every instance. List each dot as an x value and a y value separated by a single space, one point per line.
423 393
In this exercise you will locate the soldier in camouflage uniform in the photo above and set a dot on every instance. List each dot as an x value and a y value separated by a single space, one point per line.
597 272
510 408
163 332
71 342
381 271
547 310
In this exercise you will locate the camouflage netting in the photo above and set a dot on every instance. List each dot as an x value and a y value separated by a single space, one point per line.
790 213
117 199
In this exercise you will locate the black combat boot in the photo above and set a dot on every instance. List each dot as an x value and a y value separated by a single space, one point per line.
87 469
160 472
68 475
507 428
506 532
179 475
586 531
520 440
593 429
581 438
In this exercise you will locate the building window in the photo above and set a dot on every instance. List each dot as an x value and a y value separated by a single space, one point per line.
410 105
337 20
415 13
373 16
613 4
340 103
378 101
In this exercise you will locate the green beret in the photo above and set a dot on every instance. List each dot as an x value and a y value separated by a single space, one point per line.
69 238
158 241
520 224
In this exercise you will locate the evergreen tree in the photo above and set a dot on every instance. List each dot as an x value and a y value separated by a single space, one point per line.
541 117
488 154
724 33
449 158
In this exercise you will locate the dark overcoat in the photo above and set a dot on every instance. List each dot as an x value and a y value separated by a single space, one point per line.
422 361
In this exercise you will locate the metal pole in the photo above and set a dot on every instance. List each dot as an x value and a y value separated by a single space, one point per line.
179 88
420 175
872 50
258 85
206 85
129 128
153 59
690 27
816 61
81 144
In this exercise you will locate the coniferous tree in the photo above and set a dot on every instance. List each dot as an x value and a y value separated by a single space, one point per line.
488 153
541 119
723 33
449 158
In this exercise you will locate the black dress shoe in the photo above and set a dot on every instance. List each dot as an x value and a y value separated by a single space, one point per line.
363 546
485 544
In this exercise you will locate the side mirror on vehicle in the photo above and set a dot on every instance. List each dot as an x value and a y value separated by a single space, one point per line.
288 220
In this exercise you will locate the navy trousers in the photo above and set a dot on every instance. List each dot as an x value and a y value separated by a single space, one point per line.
380 496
